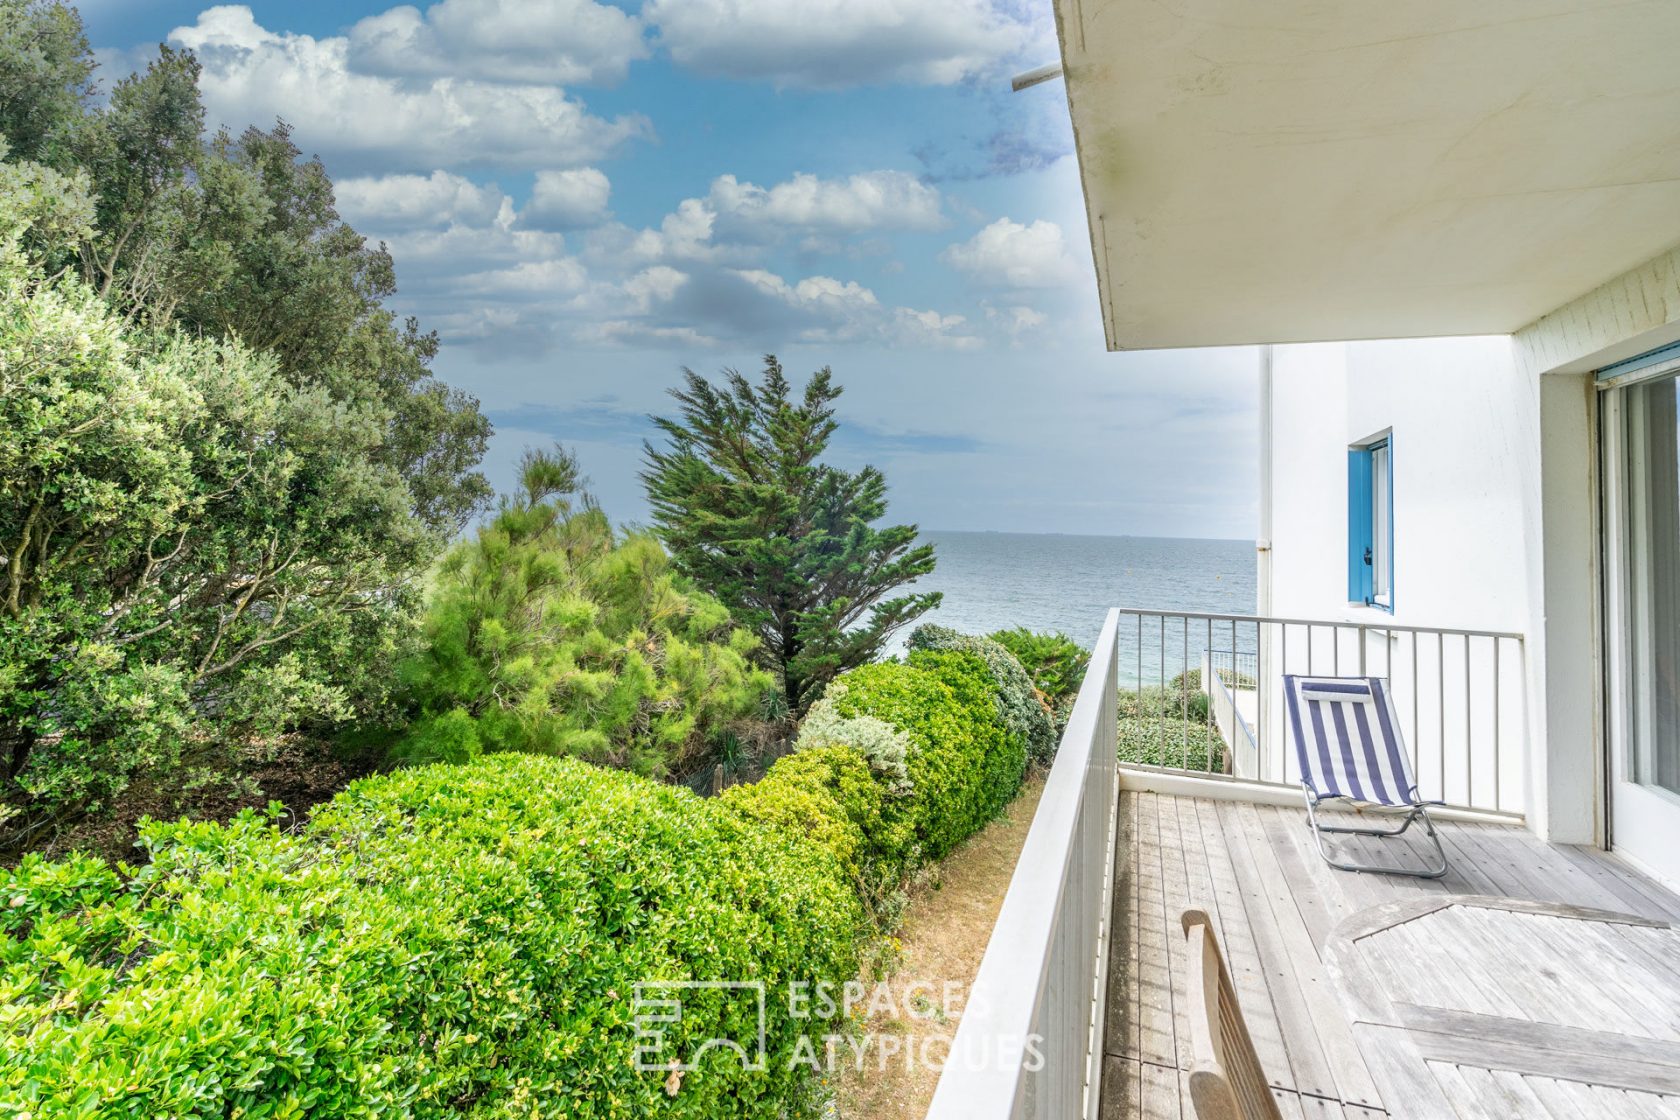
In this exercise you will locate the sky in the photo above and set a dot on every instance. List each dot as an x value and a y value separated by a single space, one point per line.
585 197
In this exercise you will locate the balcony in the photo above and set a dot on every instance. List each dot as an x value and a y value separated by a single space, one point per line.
1534 980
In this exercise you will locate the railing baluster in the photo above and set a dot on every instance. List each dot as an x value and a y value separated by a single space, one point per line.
1441 708
1184 698
1469 739
1498 752
1212 670
1283 668
1417 728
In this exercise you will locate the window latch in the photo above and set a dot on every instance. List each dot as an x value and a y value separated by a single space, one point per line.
1367 555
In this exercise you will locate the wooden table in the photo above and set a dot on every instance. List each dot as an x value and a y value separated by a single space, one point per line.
1472 1007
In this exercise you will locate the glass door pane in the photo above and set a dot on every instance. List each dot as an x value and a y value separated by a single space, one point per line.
1652 494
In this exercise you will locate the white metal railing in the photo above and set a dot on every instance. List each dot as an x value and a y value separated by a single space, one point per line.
1460 694
1030 1040
1223 681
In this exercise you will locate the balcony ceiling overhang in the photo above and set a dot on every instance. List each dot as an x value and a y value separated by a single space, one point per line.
1307 170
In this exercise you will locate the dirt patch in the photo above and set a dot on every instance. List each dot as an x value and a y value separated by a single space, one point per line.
297 771
946 926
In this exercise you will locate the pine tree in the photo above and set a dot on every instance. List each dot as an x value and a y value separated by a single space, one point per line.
787 542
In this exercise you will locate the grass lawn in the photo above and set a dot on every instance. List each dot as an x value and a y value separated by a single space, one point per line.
946 926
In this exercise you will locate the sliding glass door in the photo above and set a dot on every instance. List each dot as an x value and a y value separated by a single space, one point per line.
1642 490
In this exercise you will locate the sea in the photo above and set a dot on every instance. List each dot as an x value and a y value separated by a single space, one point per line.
1051 581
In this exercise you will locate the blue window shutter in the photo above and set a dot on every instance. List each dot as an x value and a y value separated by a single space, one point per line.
1359 525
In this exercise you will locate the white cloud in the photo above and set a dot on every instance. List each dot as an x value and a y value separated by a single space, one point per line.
567 199
1017 319
359 120
628 332
836 43
736 219
391 202
930 328
816 292
461 249
654 285
683 234
528 279
544 42
480 271
1007 254
871 200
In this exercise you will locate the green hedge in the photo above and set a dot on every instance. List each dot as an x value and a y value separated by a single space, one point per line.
829 794
1181 744
1018 702
440 942
467 940
966 765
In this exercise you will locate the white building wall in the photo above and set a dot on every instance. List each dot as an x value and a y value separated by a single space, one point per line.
1465 436
1466 462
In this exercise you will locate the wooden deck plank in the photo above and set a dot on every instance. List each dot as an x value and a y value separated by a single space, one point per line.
1255 869
1272 909
1156 1042
1632 895
1178 852
1160 1096
1466 1103
1241 955
1559 1100
1122 1089
1120 1030
1351 1082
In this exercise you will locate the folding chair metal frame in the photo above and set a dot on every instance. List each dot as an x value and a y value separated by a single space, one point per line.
1417 812
1415 809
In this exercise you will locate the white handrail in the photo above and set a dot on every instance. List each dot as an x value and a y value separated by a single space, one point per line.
1030 1040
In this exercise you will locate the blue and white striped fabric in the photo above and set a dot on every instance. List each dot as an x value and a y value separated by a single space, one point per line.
1347 739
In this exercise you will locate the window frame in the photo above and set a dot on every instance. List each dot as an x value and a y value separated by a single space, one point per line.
1371 522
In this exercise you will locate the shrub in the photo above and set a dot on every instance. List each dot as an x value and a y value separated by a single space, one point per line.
829 794
1018 703
444 941
1166 740
195 548
1055 662
550 633
886 748
965 764
1181 699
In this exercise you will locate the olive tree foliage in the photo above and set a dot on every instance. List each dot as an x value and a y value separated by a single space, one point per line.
551 633
224 461
235 237
184 537
789 543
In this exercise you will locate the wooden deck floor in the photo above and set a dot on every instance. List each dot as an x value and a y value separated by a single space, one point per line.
1274 902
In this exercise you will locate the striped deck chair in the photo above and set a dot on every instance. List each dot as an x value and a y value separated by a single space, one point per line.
1347 741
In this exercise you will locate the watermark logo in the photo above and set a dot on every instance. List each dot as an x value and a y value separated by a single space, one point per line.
658 1007
916 1024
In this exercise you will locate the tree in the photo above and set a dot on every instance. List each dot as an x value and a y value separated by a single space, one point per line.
787 542
550 633
191 548
225 460
235 237
46 76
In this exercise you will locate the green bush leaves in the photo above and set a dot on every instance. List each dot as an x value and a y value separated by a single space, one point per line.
466 940
444 941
